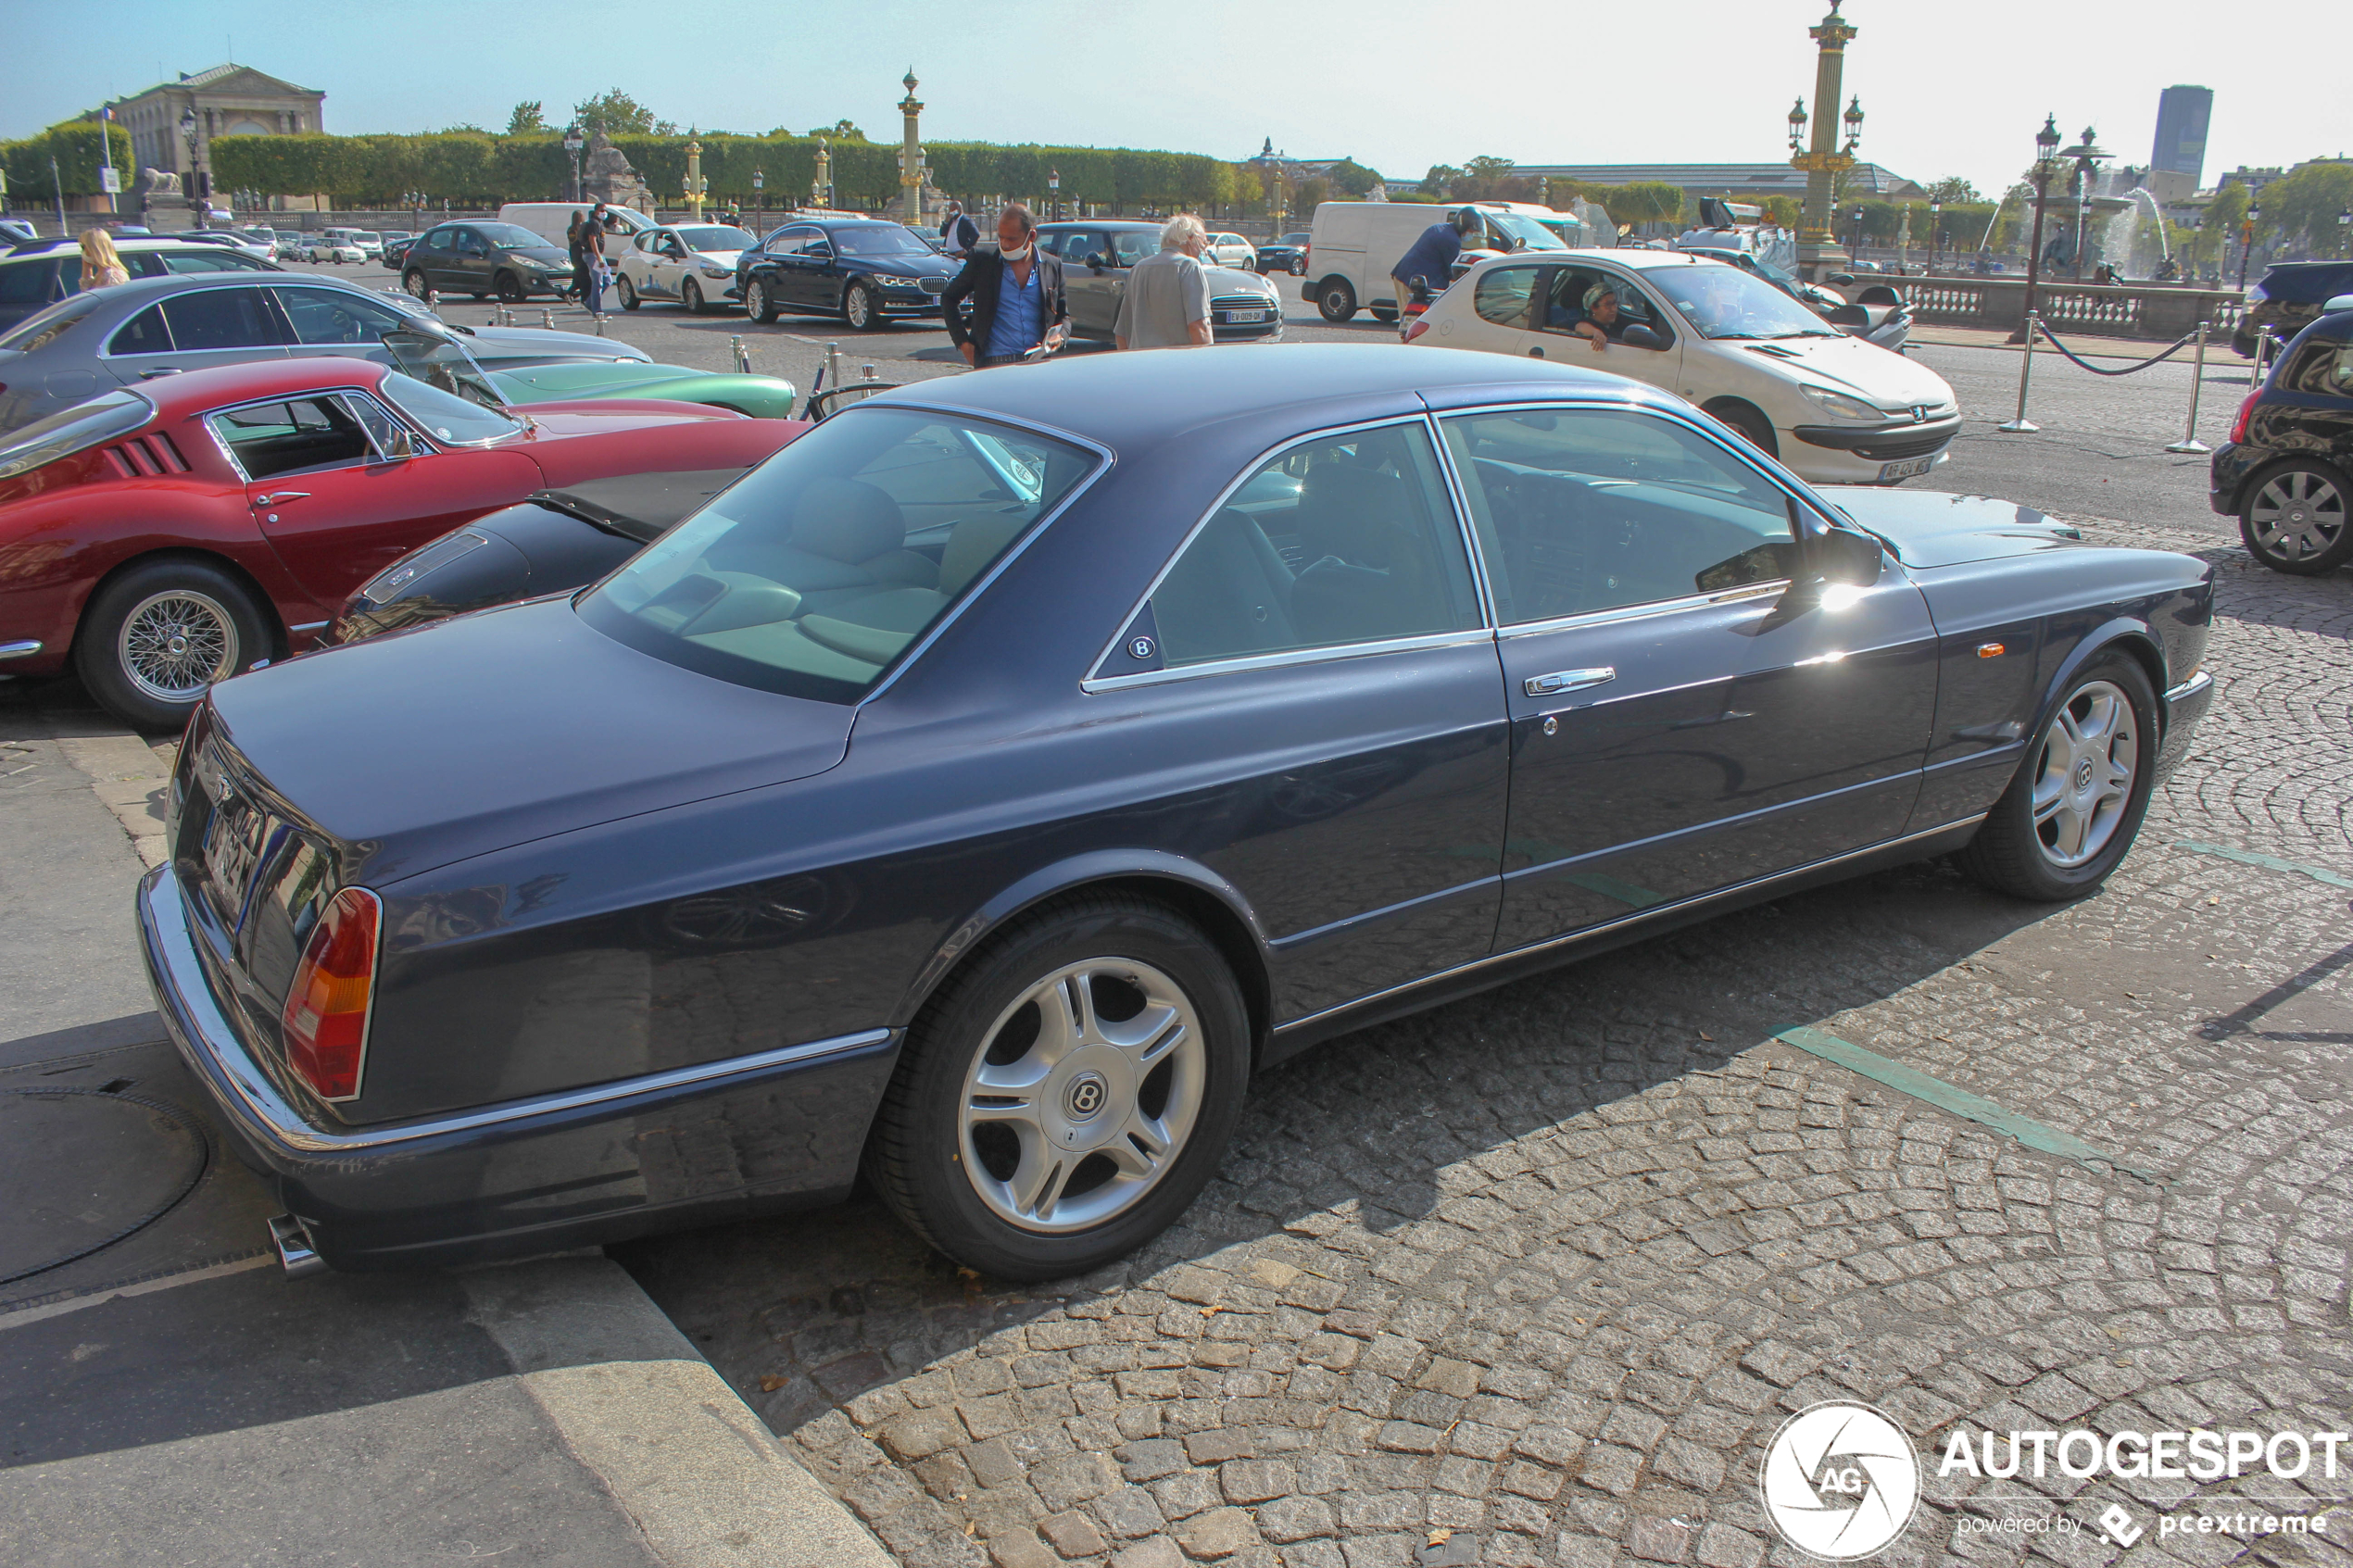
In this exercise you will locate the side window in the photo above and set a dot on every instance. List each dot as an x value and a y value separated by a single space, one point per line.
325 316
310 432
1503 295
67 272
143 333
26 282
1080 244
1338 541
1576 292
437 239
1589 509
2341 374
380 426
184 262
231 317
1131 246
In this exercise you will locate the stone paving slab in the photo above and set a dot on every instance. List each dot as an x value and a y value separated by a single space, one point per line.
1532 1279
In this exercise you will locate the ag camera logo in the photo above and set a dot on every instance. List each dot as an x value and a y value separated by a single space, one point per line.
1841 1480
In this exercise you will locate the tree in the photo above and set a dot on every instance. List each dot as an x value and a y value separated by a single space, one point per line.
1783 210
1352 179
2307 201
2223 216
615 113
526 117
1953 189
840 130
1441 180
1310 195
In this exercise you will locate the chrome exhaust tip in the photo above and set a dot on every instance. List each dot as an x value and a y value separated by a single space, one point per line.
296 1255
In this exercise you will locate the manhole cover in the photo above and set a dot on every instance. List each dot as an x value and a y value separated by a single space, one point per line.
85 1170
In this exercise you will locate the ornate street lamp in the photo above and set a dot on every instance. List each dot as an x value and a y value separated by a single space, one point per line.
574 142
1936 212
1797 128
2247 239
188 134
759 184
2344 227
2046 170
1054 192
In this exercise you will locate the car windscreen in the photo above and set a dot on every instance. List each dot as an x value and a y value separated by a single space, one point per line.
1724 302
102 418
511 234
876 239
717 237
1530 234
814 572
447 415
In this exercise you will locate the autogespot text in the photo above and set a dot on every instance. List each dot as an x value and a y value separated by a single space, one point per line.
2198 1454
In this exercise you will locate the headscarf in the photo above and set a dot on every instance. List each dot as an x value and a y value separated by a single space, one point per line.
1599 292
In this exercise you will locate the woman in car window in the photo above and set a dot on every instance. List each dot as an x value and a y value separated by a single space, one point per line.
101 263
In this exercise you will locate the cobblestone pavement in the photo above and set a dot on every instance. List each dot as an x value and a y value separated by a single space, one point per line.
1535 1277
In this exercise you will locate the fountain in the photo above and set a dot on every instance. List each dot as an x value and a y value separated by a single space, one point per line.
2126 237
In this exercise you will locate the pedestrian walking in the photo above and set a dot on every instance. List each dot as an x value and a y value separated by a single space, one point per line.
579 263
1016 293
1431 258
592 251
1166 302
958 233
101 263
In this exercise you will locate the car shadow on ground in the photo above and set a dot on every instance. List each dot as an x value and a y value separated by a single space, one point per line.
805 1313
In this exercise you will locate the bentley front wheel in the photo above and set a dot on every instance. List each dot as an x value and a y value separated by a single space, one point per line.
2074 807
1066 1095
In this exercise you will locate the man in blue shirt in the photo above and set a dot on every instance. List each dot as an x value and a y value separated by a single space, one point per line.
1430 259
1016 293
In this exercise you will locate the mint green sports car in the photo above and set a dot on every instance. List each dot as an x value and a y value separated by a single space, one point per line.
763 397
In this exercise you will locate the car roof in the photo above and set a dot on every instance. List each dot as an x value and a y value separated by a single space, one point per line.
216 239
1129 402
182 396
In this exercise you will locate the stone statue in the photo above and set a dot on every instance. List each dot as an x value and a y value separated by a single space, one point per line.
156 182
606 177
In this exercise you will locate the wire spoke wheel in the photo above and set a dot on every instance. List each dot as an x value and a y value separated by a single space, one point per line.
176 643
1082 1095
2084 772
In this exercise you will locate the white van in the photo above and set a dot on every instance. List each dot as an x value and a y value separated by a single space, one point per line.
549 219
1355 244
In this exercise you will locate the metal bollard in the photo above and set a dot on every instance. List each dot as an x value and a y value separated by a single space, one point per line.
432 301
600 323
743 355
2189 441
2025 372
2264 347
832 364
865 373
547 316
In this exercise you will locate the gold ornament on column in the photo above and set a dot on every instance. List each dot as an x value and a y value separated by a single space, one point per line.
1825 161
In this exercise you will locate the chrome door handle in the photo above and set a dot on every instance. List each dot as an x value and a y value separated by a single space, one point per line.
1567 679
159 370
273 498
1535 354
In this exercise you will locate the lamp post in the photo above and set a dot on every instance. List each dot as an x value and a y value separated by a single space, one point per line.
1935 216
759 184
1816 249
1855 248
1054 192
2246 240
574 142
2343 230
2046 169
188 134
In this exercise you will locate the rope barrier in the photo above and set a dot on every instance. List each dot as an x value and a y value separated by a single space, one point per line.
2184 342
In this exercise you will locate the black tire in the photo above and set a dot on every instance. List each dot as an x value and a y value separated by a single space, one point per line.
414 282
690 296
1299 267
1385 314
859 307
920 1153
759 304
1744 421
123 618
2292 519
509 288
2010 853
1336 298
629 299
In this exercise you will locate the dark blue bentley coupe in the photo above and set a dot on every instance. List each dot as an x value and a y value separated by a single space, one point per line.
980 790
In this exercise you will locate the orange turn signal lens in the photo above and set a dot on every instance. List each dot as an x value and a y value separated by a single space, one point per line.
326 1016
1989 651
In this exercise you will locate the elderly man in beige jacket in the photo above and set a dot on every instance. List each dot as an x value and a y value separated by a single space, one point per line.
1166 303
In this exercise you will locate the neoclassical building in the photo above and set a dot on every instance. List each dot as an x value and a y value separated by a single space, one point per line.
228 100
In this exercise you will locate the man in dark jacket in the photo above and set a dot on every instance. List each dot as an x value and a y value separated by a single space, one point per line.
958 233
1016 293
1431 258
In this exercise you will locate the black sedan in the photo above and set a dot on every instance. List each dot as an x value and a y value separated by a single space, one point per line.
865 271
1287 254
2286 472
980 790
483 259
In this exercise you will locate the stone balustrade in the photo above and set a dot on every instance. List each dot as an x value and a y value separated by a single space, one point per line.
2157 311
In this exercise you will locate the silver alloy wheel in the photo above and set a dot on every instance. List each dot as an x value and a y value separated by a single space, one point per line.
856 308
1068 1116
692 295
2083 777
2298 514
175 643
756 300
416 285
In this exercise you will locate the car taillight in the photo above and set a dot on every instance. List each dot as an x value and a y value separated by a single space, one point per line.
2247 410
326 1016
1417 329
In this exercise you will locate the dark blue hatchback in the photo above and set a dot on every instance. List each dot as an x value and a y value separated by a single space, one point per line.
979 792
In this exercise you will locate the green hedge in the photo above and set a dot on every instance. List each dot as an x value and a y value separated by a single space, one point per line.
485 170
75 146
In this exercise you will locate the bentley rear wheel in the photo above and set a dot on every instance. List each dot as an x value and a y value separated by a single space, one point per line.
2072 810
1067 1094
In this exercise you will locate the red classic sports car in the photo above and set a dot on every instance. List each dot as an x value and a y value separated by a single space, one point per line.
163 538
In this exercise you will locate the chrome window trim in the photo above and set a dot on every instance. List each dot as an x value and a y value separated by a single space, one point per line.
1249 471
1822 510
229 453
106 349
1586 933
1094 685
1642 611
1005 558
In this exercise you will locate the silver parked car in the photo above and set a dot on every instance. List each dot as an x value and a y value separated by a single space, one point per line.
1096 255
150 327
38 274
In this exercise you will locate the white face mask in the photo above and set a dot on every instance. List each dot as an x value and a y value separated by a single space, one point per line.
1012 255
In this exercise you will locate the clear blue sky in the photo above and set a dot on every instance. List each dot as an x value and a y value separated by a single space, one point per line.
1950 89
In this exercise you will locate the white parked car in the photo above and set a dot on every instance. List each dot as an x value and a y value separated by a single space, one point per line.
1231 250
1832 407
692 263
334 245
370 244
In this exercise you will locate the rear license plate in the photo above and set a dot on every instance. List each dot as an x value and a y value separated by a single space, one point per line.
1909 468
1245 317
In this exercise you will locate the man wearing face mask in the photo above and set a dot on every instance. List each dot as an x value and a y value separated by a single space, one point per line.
1016 293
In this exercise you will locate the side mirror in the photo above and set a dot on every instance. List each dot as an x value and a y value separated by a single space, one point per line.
1642 337
1847 557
